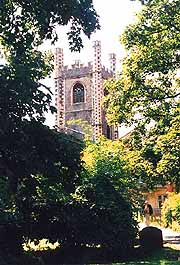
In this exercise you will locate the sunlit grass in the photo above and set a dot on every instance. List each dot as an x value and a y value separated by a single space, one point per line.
42 245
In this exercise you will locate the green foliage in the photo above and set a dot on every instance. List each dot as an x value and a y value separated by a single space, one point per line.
161 150
27 147
147 88
37 150
36 21
140 160
168 166
106 185
24 98
97 211
42 205
49 174
106 217
155 155
105 159
171 212
146 94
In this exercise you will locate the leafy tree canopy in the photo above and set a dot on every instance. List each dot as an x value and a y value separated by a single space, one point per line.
148 86
146 93
115 166
24 98
33 19
154 156
39 167
169 146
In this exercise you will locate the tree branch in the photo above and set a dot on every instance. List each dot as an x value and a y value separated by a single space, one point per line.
48 88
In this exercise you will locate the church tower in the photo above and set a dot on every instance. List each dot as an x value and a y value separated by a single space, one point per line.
78 94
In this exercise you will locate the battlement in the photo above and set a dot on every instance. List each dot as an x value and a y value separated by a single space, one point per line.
77 70
80 70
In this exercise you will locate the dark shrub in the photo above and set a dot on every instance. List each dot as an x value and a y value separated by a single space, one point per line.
95 219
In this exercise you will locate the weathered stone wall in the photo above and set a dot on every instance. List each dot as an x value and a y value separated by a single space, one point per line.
81 110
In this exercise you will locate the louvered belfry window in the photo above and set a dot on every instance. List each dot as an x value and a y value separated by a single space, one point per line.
78 93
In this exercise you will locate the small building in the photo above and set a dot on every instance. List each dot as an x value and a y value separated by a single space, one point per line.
157 197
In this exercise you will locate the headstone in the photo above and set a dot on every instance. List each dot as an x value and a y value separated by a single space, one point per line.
151 238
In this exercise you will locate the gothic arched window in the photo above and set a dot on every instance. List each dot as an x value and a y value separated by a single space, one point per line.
78 93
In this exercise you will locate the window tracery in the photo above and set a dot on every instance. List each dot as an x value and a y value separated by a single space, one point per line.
78 93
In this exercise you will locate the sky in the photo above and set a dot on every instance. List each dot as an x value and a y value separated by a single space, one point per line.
114 15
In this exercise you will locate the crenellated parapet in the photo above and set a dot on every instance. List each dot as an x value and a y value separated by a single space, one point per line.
77 70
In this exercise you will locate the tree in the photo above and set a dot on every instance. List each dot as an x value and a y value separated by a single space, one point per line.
34 160
171 212
24 99
154 157
146 94
46 178
169 146
36 21
148 86
105 189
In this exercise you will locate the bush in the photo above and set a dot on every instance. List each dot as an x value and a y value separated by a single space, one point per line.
91 223
171 212
107 208
100 215
81 209
105 221
96 215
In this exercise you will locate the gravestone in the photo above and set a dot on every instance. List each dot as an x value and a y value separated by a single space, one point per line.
151 238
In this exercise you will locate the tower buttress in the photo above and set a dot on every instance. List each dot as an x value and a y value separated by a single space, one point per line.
97 90
59 88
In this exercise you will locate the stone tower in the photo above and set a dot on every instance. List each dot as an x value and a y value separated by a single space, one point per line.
78 94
